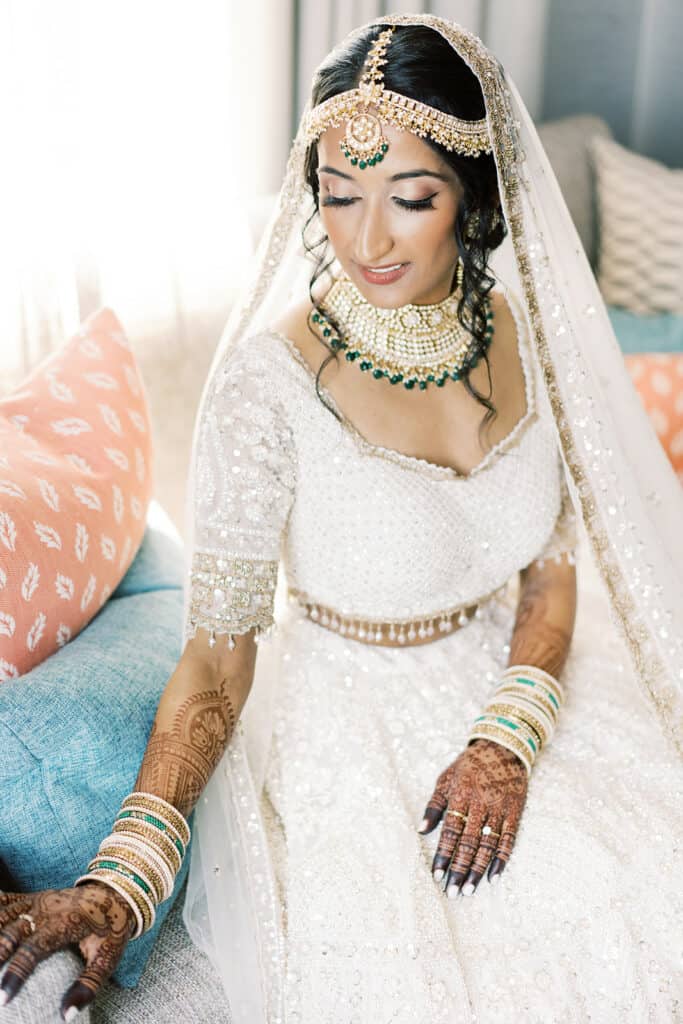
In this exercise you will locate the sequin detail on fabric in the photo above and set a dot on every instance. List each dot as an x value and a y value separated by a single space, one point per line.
245 487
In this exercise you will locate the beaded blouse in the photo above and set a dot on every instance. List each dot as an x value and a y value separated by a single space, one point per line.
365 530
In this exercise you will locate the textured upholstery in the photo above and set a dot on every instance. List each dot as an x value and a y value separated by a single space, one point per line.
567 143
73 731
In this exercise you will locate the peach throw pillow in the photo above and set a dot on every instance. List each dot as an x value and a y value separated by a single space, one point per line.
75 484
658 377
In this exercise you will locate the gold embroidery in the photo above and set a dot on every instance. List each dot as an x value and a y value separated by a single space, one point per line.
230 595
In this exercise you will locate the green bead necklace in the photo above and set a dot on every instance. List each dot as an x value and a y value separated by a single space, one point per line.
412 345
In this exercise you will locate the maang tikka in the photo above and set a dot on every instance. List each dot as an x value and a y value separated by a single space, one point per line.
366 108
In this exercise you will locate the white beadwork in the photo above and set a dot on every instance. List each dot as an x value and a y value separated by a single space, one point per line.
245 485
369 532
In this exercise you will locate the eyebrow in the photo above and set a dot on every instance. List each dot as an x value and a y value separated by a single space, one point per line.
420 173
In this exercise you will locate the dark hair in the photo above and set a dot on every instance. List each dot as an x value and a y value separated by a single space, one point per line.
424 66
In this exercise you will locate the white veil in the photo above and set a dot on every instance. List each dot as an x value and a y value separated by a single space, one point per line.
619 478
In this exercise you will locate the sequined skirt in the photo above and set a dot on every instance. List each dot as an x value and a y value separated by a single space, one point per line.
581 924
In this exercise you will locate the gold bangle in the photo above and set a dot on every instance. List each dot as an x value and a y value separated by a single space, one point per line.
517 728
144 850
146 870
523 679
119 867
537 675
161 824
505 739
538 697
143 901
525 716
519 715
165 809
151 834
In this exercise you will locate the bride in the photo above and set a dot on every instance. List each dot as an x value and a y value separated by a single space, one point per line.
411 426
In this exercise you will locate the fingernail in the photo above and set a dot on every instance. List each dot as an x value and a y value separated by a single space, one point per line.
495 879
468 889
4 996
423 824
438 874
452 891
72 1012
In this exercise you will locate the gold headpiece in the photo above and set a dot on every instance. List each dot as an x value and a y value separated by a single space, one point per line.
364 143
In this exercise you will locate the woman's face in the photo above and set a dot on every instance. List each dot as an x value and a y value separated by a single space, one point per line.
391 225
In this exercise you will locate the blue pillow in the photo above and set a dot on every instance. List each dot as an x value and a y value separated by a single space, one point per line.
73 731
646 332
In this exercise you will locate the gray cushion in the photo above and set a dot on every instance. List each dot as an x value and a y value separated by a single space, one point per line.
179 984
566 141
38 1002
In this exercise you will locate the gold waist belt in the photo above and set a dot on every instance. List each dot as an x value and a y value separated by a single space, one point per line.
391 632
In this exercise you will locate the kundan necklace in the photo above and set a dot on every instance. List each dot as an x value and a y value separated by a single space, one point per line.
411 345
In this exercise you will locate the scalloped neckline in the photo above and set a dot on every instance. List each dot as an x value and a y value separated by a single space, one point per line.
416 462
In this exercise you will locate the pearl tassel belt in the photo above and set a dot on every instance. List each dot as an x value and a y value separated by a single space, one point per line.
391 632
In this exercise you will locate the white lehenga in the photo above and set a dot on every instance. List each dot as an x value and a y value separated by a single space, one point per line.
582 920
309 885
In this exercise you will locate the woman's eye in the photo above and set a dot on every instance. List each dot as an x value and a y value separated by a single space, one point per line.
339 200
416 204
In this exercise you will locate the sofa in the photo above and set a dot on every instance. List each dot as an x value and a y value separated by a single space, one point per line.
178 983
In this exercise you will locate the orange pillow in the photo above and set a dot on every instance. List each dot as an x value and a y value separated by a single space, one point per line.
75 483
658 378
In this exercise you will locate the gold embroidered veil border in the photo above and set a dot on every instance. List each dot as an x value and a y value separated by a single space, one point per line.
624 489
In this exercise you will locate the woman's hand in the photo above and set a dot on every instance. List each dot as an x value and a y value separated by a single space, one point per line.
485 786
34 925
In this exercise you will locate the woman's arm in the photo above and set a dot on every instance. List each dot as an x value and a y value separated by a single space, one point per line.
546 611
487 784
196 717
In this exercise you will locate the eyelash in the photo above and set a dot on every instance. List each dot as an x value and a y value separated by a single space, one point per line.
405 204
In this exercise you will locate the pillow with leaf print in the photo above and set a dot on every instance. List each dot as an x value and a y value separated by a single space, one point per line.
75 484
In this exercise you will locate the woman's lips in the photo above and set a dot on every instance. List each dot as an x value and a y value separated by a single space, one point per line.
384 275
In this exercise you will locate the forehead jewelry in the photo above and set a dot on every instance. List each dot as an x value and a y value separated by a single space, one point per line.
365 109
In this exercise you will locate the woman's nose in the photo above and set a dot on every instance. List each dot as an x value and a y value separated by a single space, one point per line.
374 240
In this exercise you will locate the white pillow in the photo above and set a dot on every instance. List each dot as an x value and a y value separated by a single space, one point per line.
640 206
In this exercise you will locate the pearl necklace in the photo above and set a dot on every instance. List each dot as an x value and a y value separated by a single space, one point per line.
409 345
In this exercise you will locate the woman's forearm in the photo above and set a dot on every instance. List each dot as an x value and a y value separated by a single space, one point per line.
194 722
546 612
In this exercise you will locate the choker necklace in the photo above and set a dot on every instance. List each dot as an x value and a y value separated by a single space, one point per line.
411 345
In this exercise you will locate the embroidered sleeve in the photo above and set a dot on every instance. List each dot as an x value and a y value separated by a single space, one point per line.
244 489
563 540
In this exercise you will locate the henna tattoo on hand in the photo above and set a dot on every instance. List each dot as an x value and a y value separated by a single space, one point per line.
545 617
92 916
487 784
180 760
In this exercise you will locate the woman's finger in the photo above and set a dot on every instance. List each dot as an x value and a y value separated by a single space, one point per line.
12 939
454 822
465 850
11 912
7 898
488 844
99 966
435 808
26 958
508 835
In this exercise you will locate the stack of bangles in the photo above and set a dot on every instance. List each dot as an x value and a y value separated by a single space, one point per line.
142 856
522 714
